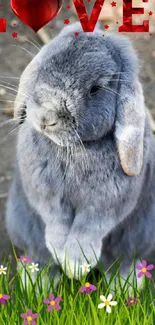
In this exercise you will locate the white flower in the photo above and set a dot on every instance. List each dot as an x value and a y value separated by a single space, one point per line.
107 302
85 268
34 267
3 269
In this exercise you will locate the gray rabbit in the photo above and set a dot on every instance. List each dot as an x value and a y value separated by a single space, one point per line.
84 184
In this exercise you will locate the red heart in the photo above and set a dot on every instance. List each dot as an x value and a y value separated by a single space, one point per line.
2 25
36 13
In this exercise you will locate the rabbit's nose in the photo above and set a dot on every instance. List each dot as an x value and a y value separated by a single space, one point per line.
43 123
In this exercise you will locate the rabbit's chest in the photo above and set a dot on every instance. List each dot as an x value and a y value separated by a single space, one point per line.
89 178
78 178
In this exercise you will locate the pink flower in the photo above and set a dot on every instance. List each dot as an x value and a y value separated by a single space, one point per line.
25 259
88 288
29 317
3 299
53 302
131 301
144 269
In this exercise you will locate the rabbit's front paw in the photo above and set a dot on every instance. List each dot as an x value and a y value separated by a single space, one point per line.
74 257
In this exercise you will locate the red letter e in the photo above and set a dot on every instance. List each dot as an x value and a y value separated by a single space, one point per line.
128 11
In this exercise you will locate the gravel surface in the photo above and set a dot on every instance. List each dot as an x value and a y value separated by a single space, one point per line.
13 60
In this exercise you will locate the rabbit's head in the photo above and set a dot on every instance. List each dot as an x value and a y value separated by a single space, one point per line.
79 88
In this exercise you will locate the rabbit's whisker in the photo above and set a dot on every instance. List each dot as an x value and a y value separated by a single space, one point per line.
111 91
5 77
34 40
115 92
83 149
9 83
59 158
66 167
12 120
125 80
71 153
17 91
22 48
38 48
10 88
121 72
5 108
10 101
13 132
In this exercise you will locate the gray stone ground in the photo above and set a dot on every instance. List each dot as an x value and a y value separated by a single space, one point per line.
13 60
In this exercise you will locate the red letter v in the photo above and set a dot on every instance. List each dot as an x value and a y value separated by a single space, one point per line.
88 25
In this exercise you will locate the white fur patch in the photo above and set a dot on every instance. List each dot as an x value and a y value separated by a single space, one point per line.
127 133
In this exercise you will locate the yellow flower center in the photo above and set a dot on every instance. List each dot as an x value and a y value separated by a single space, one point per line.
87 284
33 267
52 302
29 318
1 296
24 259
107 303
144 269
131 301
85 267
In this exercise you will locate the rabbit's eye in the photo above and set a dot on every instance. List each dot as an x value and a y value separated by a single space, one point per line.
94 90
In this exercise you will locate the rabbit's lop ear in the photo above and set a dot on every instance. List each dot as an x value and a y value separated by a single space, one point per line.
130 114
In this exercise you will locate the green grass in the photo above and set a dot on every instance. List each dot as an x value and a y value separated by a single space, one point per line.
77 308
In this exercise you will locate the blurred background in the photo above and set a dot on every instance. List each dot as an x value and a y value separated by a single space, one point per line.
17 52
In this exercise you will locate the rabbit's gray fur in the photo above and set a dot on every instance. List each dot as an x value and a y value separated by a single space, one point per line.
99 195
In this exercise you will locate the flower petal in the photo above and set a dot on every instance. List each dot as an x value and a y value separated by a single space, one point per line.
57 307
58 299
109 297
140 274
139 266
82 289
101 305
108 309
92 287
2 302
33 322
148 275
150 267
23 315
113 303
88 290
25 322
51 296
29 312
46 301
144 263
103 298
6 297
49 308
35 316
